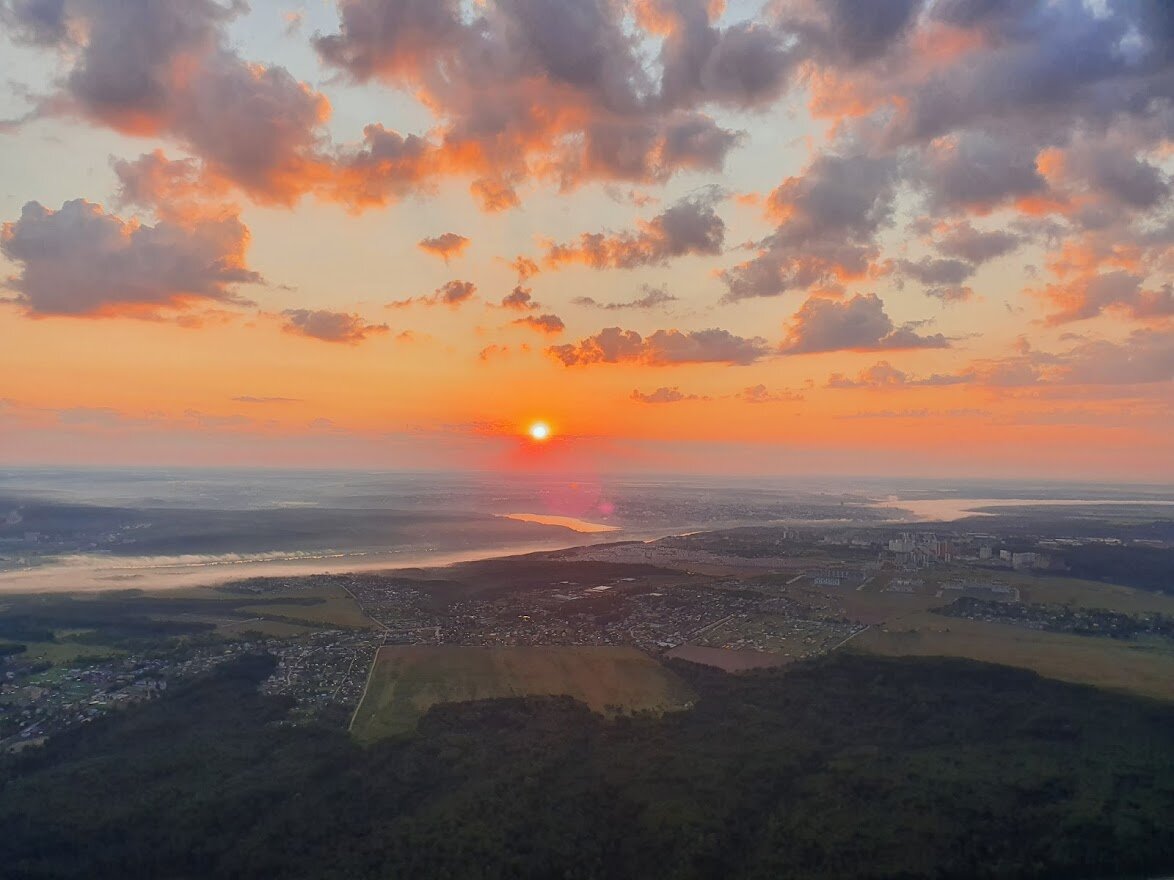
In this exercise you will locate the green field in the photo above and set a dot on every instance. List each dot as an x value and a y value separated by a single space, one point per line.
408 680
1140 666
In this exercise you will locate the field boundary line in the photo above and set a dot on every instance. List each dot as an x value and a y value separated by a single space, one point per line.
366 685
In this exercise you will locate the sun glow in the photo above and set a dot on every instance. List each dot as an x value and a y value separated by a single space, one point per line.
540 431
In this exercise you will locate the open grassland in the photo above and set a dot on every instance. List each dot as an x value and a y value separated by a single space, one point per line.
408 680
65 652
1049 590
1141 666
333 611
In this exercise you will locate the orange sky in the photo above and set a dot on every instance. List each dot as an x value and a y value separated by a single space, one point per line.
752 239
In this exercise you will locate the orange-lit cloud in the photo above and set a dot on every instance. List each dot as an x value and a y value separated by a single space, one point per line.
80 260
445 246
662 348
329 326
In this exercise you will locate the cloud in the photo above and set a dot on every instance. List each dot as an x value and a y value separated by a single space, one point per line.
80 260
525 267
856 32
691 226
884 375
857 324
170 188
519 299
445 246
1145 356
665 395
330 326
829 217
744 65
653 298
936 272
451 293
1119 291
976 170
663 348
761 394
948 295
963 242
165 68
549 324
524 88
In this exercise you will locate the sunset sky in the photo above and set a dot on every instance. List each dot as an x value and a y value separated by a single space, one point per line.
804 237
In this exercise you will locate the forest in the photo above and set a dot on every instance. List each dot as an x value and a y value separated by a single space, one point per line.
846 766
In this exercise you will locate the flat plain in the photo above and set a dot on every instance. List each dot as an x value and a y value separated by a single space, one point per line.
408 680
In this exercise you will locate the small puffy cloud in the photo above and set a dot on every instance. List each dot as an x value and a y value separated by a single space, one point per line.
445 246
962 241
1119 291
664 395
761 394
519 299
452 294
80 260
330 326
549 324
525 267
936 272
884 375
653 298
663 348
857 324
949 295
691 226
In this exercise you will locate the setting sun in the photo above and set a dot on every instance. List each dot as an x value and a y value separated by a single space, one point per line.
540 431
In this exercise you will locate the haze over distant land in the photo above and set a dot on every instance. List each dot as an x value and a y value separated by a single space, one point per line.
102 529
912 237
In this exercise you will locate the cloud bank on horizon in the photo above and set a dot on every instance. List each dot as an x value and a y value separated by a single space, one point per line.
959 207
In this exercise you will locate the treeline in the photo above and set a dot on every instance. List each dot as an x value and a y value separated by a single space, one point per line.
846 767
1147 568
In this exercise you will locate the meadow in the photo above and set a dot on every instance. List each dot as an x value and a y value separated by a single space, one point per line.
406 681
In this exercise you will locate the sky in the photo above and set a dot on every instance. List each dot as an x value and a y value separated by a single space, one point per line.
894 237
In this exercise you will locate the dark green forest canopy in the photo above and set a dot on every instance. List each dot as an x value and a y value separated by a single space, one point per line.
847 766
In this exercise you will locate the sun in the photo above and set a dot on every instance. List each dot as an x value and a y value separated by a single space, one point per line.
540 431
